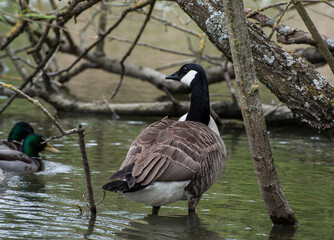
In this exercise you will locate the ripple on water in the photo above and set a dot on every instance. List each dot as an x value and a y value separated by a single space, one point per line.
54 168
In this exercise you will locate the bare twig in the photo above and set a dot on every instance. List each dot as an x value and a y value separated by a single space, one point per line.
36 103
85 164
272 110
152 2
112 110
315 34
102 36
176 63
18 50
216 117
250 14
67 132
102 198
38 68
153 47
228 82
279 19
14 33
10 77
170 96
38 46
83 30
76 71
193 33
288 35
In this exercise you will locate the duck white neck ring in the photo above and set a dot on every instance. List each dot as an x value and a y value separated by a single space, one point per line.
189 77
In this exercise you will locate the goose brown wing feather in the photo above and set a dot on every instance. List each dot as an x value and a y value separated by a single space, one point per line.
169 150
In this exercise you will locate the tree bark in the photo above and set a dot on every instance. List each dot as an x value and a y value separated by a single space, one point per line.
291 78
248 86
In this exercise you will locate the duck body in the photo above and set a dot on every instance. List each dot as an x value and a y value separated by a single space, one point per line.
16 135
28 159
17 161
174 160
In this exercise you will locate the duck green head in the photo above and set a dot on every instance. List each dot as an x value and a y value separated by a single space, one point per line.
20 131
35 143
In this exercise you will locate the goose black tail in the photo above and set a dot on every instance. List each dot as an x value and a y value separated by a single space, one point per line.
116 186
121 186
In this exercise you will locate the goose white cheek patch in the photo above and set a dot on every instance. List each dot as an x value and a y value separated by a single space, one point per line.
189 77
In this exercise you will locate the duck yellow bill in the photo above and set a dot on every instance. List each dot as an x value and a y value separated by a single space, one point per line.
51 149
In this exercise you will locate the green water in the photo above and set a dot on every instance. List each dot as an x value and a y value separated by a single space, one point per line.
44 205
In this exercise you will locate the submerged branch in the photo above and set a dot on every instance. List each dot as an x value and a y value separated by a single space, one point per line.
85 164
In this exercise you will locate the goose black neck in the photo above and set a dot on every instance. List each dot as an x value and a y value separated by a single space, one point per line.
200 103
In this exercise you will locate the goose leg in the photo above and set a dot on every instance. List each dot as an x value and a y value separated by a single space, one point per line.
192 203
155 210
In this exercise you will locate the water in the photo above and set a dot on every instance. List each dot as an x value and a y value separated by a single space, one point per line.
49 204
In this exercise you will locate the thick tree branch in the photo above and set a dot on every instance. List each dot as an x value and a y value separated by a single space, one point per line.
252 112
293 80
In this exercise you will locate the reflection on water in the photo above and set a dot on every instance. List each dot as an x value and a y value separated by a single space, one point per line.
168 227
283 232
45 205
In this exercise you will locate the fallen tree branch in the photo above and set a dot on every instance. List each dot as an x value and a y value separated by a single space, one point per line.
226 110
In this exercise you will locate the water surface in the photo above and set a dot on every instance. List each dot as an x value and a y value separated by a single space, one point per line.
46 205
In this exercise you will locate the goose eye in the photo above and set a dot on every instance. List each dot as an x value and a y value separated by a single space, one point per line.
183 71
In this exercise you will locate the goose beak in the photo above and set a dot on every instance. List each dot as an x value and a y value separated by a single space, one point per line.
174 76
49 148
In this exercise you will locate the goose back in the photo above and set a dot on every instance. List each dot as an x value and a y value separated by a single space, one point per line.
169 151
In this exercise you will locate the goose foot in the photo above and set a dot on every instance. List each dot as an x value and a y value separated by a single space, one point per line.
192 203
155 210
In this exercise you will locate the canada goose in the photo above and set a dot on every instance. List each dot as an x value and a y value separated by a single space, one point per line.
28 159
174 160
16 135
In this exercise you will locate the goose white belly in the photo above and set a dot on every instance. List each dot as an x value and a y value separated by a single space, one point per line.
160 193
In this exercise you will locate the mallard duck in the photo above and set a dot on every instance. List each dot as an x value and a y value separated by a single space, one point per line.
174 160
28 159
16 135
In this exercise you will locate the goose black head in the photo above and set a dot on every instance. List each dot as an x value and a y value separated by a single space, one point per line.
188 73
194 76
